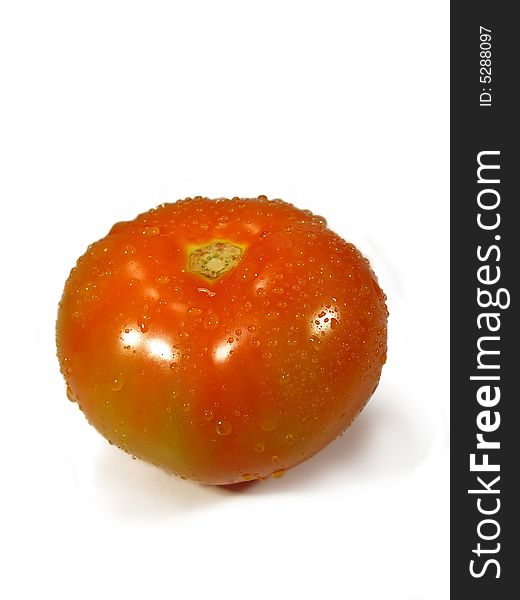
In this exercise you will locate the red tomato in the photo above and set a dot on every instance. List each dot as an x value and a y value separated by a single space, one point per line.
223 340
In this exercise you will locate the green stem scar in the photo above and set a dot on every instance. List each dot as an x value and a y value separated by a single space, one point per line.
214 259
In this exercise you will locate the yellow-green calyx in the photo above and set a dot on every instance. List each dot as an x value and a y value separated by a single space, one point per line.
214 259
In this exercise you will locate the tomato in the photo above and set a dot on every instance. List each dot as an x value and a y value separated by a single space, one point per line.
222 340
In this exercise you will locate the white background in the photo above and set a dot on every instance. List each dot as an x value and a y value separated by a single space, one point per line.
109 108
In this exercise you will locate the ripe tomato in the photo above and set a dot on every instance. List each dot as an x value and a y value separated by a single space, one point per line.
223 340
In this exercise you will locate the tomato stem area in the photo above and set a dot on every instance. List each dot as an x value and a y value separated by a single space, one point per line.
214 259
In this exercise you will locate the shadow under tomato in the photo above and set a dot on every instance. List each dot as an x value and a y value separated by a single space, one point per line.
382 442
242 486
132 488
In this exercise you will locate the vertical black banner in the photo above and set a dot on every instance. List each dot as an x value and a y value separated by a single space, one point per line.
485 338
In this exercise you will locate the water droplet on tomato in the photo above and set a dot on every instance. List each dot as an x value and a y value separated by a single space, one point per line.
278 473
194 311
275 458
70 394
259 447
247 477
186 406
247 273
162 280
208 415
315 343
151 231
211 322
255 342
269 424
223 427
117 383
144 323
129 250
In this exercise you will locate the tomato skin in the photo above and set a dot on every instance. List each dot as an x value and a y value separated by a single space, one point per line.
227 379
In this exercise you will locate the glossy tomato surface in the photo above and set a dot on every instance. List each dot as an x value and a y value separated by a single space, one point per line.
223 340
